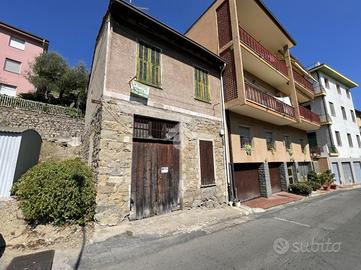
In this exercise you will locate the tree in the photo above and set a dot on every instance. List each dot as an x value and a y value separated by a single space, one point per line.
56 82
46 74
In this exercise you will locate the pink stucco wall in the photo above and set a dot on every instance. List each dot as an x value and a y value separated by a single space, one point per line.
33 49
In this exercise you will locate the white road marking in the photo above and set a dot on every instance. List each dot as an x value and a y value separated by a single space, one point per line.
293 222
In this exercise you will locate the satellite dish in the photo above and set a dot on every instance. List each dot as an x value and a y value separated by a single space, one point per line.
141 8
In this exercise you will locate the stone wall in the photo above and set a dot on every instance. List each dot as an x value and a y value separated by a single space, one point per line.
49 126
59 127
113 161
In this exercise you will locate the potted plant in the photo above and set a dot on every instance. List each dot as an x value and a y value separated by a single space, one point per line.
271 147
290 151
327 179
248 149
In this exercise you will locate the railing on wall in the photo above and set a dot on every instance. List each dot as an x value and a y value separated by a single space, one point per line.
264 99
309 115
15 102
270 58
303 81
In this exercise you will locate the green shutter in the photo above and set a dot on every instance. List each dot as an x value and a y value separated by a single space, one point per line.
148 65
201 85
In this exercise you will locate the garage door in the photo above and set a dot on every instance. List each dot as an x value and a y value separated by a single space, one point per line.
347 173
247 181
336 171
275 175
357 168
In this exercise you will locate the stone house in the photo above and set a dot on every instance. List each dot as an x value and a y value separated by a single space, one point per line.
154 129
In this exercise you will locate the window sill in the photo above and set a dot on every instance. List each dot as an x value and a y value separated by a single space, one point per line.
202 100
207 186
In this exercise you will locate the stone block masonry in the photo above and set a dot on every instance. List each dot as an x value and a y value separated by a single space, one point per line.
284 176
110 153
265 180
60 128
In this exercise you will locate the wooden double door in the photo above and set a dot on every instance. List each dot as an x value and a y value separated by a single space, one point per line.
155 178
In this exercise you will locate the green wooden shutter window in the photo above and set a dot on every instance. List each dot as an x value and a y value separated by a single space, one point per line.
201 85
148 65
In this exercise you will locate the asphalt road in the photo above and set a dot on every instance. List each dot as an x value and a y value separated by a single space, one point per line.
320 233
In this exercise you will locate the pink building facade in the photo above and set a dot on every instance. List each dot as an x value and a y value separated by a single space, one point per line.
18 49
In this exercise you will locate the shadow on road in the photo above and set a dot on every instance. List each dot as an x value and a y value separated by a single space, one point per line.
77 264
2 245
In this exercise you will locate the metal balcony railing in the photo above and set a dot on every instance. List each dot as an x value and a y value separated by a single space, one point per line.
310 116
268 101
303 81
261 51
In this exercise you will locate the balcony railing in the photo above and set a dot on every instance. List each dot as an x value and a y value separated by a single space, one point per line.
268 101
303 81
271 59
310 116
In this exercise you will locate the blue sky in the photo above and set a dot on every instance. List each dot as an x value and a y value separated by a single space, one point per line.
328 31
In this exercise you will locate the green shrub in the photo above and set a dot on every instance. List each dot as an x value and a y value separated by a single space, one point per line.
314 180
57 192
327 178
302 188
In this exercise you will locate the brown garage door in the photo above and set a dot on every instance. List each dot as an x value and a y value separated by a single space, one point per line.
275 175
246 181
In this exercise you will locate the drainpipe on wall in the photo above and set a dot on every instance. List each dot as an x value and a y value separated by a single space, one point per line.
226 142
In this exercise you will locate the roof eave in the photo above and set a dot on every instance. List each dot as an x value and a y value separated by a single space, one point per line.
345 80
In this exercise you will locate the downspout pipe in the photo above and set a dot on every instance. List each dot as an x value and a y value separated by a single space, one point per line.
225 141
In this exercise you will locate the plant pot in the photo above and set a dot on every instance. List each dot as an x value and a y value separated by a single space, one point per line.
327 188
333 186
237 204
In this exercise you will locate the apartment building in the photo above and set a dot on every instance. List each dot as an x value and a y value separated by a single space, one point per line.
337 144
18 49
153 119
263 89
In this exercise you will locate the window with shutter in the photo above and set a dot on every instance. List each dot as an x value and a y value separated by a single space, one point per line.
207 163
201 85
148 65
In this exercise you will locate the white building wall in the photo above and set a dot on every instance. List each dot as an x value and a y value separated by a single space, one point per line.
338 122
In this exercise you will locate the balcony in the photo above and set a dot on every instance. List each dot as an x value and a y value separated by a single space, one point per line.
325 119
302 81
309 115
319 90
255 95
264 107
262 52
316 151
262 63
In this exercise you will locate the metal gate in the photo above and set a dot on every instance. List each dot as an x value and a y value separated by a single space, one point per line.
357 168
347 173
155 167
336 171
9 151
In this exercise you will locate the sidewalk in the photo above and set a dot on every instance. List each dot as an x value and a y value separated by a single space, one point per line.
275 200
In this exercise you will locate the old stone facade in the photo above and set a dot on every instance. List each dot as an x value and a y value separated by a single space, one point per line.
111 157
127 178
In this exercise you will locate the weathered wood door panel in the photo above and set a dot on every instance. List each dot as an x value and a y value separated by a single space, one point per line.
155 178
246 178
275 175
